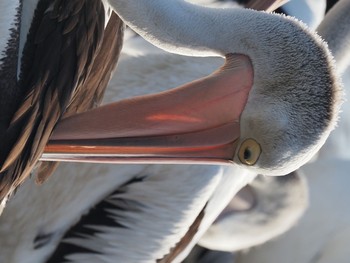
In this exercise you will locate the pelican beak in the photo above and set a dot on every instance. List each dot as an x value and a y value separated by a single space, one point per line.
194 123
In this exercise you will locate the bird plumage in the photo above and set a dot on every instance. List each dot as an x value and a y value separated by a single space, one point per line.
59 73
175 220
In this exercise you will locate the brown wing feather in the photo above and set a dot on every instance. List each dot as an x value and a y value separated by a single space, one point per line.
94 86
67 39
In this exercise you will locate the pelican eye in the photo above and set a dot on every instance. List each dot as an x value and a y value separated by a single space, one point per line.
249 152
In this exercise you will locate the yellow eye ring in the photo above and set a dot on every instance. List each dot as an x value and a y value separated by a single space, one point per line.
249 152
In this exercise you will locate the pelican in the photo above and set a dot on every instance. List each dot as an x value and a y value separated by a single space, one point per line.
50 228
43 220
79 133
169 126
55 59
41 94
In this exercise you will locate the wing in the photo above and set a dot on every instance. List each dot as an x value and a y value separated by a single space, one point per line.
95 85
64 42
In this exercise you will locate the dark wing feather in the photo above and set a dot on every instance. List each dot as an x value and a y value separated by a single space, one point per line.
102 214
94 86
65 39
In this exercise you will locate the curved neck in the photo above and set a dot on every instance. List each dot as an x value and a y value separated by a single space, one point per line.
187 29
181 27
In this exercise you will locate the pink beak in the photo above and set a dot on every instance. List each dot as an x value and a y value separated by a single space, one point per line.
194 123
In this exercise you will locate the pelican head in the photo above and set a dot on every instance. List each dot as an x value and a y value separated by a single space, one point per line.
288 117
294 100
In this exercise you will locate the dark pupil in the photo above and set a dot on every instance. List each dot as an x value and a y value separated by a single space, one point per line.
247 154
